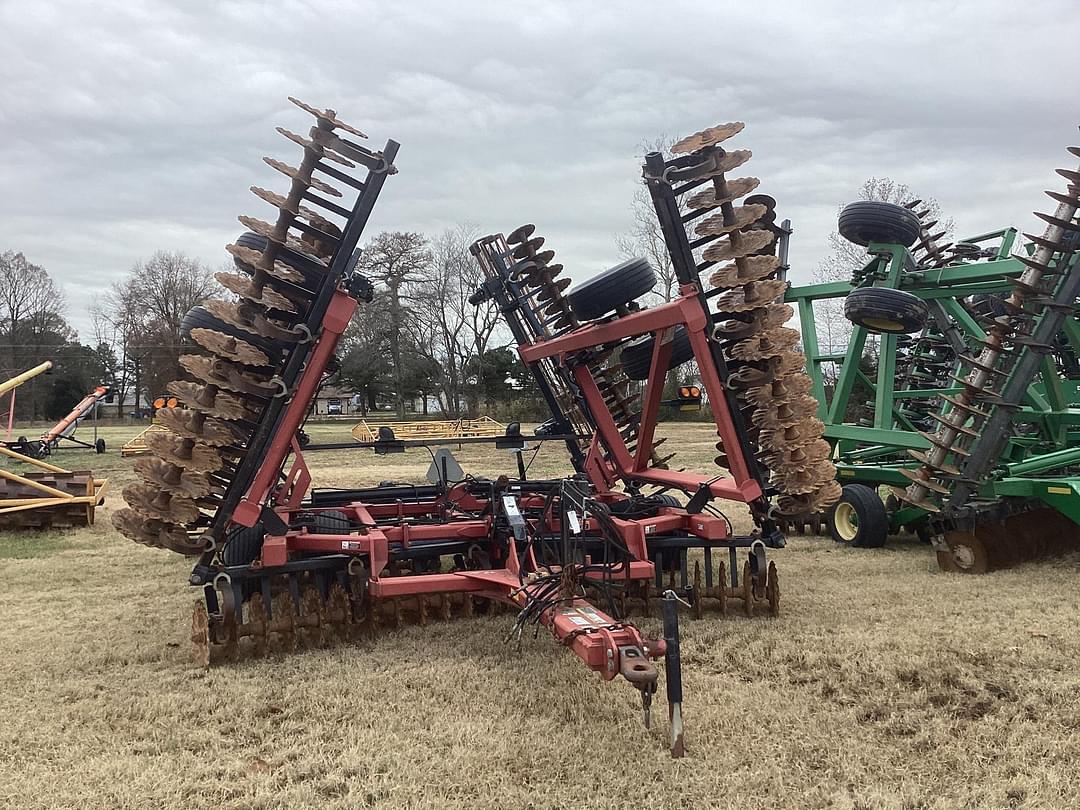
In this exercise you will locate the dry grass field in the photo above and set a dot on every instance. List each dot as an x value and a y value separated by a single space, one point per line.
884 684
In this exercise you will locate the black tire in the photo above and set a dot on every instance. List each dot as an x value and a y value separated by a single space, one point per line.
620 285
200 318
858 519
331 523
865 221
99 446
883 309
636 358
666 499
243 545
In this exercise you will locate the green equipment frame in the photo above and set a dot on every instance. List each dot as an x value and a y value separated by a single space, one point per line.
1041 458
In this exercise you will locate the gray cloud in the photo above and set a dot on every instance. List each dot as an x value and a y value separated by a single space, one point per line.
129 127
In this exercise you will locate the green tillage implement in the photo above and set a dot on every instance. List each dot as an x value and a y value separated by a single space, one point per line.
875 417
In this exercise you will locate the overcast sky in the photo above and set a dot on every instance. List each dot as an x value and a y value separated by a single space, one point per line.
135 126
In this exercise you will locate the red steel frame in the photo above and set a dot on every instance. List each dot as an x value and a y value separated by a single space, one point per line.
598 639
606 645
660 321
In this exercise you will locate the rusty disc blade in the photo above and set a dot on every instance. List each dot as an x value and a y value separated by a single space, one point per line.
224 374
707 137
804 479
770 343
186 453
137 527
229 347
922 478
804 432
244 286
553 290
520 234
195 425
528 248
826 496
328 117
739 187
324 152
806 455
794 505
781 389
148 500
171 478
783 414
252 260
250 318
752 296
759 320
738 245
274 235
294 174
744 271
720 224
211 401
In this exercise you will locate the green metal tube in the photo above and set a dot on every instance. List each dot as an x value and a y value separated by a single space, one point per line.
1047 461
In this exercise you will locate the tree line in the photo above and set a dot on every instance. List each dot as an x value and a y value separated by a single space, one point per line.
33 329
420 338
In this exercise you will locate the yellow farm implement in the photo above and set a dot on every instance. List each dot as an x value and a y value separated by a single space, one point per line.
451 429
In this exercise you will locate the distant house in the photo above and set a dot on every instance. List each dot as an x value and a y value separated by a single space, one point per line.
334 401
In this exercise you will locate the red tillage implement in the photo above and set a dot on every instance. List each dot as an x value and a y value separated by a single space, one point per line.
281 562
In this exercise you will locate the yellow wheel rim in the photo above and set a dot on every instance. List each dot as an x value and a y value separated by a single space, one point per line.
884 324
846 521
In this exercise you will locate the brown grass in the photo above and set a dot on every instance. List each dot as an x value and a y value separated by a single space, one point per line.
884 684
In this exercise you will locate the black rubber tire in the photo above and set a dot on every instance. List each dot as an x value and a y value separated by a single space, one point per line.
636 358
243 545
863 503
331 523
200 318
99 446
883 309
667 499
620 285
867 221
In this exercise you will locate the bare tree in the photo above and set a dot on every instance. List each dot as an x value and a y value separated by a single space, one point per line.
395 259
364 349
644 238
32 322
140 318
446 328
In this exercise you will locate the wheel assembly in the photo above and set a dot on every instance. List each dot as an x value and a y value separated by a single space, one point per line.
884 310
858 519
867 221
636 357
612 289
